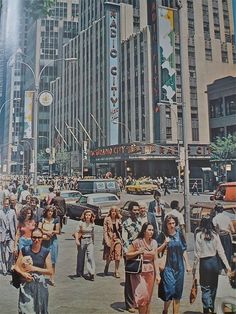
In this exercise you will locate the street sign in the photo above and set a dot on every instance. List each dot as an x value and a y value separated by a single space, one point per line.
228 167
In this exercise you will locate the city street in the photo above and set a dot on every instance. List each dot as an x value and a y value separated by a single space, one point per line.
105 294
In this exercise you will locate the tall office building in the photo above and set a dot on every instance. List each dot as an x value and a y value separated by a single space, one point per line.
139 64
38 43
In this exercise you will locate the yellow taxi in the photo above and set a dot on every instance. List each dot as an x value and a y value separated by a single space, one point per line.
141 187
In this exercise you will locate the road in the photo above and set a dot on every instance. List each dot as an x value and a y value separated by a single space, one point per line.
105 294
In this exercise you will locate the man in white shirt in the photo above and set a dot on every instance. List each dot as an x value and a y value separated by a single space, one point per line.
224 227
143 211
24 194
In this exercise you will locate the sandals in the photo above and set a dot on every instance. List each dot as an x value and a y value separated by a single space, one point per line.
117 275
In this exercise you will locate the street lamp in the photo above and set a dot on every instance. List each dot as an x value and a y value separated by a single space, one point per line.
128 130
30 150
9 100
35 110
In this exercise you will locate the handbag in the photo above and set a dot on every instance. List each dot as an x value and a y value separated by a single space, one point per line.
15 279
134 265
193 291
162 261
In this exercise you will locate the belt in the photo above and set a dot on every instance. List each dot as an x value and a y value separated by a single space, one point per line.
86 237
146 262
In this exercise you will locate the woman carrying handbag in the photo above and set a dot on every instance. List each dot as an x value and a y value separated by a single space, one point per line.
143 283
208 249
172 277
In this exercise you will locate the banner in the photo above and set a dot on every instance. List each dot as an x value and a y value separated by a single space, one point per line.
113 44
28 116
167 55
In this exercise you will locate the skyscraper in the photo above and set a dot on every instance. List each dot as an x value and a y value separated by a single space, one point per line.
168 52
37 43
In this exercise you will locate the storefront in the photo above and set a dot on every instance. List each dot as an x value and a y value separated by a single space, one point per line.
151 160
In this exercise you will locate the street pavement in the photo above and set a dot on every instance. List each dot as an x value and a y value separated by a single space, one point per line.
103 296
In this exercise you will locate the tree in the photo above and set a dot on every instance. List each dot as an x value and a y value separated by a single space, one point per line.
223 150
63 159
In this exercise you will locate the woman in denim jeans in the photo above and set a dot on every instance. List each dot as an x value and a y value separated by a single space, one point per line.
84 238
207 247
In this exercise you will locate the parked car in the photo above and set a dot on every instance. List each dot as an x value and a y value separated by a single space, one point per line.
99 203
225 192
70 196
141 187
201 209
87 186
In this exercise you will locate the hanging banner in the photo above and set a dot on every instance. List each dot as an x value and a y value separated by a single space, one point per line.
152 22
113 44
28 116
167 55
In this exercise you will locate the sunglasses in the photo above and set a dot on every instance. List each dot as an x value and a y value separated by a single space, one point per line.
35 238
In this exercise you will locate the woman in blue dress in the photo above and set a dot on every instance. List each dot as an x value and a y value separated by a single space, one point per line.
172 276
33 263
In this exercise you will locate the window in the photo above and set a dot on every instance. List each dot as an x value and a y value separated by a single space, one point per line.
216 108
230 105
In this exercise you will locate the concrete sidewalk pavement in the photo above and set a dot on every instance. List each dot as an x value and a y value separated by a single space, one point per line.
103 296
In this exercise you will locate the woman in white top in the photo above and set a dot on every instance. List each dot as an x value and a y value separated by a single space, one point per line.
84 238
207 247
224 226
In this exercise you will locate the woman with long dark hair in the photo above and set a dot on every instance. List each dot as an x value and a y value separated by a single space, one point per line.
173 242
207 247
24 229
143 283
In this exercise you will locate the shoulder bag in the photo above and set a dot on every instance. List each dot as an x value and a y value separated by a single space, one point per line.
193 291
162 261
134 265
16 279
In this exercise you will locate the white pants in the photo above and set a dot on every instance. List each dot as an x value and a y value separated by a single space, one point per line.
85 250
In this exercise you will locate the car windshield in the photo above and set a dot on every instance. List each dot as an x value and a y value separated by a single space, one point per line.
102 199
83 200
70 194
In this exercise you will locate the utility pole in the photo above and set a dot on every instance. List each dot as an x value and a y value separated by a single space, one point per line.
185 87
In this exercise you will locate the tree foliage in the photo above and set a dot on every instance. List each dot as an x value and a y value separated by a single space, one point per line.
63 157
42 156
39 8
224 148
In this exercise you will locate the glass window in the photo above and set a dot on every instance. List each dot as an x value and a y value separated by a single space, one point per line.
230 105
216 108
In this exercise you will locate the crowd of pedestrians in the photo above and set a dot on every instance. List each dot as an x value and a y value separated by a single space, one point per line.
29 245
